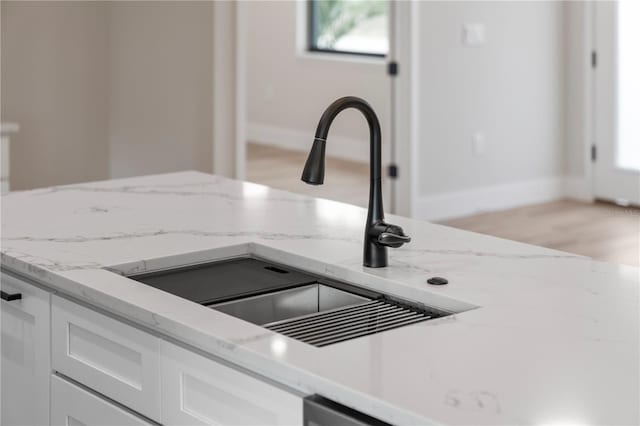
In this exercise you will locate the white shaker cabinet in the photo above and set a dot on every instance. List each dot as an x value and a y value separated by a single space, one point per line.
67 364
200 391
73 406
26 366
115 359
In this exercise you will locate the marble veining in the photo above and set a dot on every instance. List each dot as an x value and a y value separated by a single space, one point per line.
552 337
192 232
166 190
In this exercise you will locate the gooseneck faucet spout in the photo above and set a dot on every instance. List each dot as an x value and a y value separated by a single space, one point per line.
378 235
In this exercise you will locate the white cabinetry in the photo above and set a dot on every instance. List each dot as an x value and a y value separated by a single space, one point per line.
199 391
103 371
109 356
5 130
26 363
74 406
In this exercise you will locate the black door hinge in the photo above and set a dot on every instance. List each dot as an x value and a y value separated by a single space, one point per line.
392 68
393 171
594 59
594 153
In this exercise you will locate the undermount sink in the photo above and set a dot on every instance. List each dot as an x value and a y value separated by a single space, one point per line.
224 280
300 305
285 304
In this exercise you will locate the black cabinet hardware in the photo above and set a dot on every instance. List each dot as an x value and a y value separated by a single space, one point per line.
10 297
320 411
392 68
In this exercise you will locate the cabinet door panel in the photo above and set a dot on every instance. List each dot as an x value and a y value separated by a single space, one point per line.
114 358
26 365
200 391
74 406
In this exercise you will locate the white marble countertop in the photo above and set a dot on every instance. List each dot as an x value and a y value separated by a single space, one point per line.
555 338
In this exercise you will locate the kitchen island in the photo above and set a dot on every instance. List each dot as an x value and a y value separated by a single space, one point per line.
541 337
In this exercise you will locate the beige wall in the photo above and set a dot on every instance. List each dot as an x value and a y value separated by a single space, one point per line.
106 89
161 87
54 78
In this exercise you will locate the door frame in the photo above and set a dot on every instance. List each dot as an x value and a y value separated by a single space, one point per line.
579 123
228 90
402 50
241 90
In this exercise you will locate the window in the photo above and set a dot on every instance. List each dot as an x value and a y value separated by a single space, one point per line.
349 26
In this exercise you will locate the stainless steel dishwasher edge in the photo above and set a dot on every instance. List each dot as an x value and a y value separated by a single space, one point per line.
320 411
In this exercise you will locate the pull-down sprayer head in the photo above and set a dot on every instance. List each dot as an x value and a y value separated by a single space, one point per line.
313 172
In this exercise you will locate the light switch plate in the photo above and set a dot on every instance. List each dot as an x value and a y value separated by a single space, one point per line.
473 34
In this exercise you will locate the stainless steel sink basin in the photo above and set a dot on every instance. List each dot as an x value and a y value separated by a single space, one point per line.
224 280
311 309
322 315
291 303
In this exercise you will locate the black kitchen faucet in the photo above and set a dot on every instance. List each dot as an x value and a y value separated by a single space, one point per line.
378 235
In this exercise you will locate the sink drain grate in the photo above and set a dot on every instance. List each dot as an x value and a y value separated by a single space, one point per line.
329 327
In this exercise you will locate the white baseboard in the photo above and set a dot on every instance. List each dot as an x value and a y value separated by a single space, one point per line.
297 140
490 198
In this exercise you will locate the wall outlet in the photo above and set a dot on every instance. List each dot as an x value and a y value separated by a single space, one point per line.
473 34
478 144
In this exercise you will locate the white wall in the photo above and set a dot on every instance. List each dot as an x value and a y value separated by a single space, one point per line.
510 89
161 87
107 89
54 84
287 92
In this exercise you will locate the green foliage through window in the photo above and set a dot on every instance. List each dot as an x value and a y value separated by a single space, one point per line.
349 26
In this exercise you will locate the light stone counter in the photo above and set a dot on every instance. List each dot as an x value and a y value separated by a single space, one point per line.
555 338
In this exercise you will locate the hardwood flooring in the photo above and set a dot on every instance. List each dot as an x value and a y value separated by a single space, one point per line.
346 181
600 230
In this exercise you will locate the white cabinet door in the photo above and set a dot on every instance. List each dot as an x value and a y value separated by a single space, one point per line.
26 366
74 406
109 356
199 391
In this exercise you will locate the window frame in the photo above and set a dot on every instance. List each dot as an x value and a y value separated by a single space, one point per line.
311 44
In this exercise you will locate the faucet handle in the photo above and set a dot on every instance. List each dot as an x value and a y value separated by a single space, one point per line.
393 236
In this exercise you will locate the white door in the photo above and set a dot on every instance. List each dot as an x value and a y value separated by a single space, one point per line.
26 364
617 101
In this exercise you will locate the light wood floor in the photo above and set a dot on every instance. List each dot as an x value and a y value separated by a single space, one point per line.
346 181
599 230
